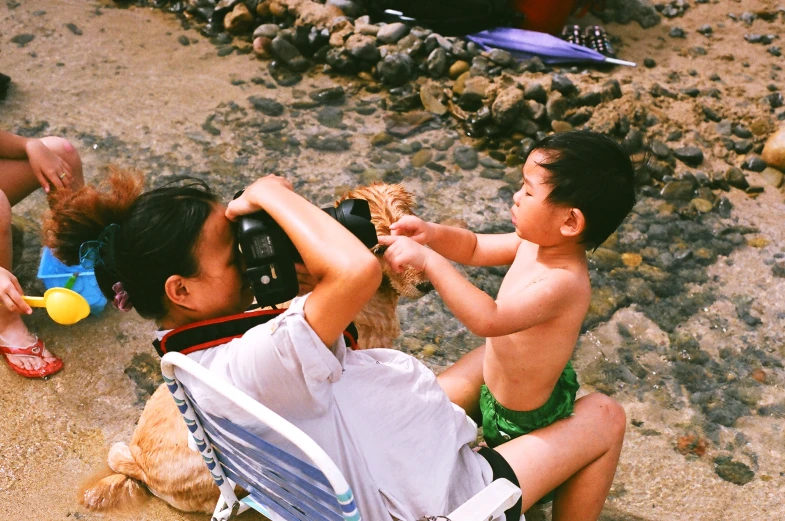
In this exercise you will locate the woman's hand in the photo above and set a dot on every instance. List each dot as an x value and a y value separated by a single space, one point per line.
11 293
403 252
413 227
48 167
248 202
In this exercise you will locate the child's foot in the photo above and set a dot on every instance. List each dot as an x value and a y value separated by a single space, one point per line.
27 355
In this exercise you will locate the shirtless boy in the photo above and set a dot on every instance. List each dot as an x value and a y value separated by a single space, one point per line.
577 188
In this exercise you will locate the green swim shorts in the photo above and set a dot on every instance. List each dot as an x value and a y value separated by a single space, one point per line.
500 424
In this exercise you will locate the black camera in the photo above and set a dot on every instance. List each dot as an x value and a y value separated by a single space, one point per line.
270 255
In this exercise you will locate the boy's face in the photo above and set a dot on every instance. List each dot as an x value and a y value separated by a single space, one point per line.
535 219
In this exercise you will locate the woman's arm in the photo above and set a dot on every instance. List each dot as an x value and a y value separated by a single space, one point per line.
346 273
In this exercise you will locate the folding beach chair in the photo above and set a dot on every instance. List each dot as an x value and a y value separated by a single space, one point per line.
280 485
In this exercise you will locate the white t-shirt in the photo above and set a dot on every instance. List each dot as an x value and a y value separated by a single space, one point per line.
378 413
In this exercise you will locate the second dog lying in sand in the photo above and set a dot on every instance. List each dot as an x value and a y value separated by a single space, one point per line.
158 458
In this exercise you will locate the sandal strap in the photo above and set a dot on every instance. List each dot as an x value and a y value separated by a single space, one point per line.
35 349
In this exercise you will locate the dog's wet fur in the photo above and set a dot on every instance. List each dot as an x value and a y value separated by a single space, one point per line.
158 458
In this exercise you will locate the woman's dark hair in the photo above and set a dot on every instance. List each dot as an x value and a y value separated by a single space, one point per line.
155 236
593 173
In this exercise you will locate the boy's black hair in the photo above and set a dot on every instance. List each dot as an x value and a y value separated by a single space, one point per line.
593 173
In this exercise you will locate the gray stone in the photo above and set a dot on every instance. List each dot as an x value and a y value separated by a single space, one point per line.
535 91
562 84
331 117
500 57
266 30
363 47
331 95
391 33
754 163
267 106
556 106
437 63
465 157
396 69
690 156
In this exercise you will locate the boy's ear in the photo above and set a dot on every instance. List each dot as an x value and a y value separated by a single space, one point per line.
176 289
574 224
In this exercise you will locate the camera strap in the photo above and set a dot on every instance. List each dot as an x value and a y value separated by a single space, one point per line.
217 331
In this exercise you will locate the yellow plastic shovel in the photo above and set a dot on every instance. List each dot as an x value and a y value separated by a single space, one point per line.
64 306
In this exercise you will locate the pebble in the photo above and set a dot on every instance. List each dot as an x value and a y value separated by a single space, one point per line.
774 150
437 63
282 75
535 91
465 157
23 39
327 143
266 30
443 143
328 95
649 63
183 40
421 158
772 176
267 106
458 68
562 84
556 106
500 57
74 29
677 32
396 69
754 163
341 60
331 117
660 149
690 156
507 106
736 178
392 33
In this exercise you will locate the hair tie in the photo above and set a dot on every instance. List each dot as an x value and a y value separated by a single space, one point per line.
121 299
100 252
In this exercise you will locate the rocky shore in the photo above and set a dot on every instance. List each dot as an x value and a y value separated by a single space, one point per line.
686 327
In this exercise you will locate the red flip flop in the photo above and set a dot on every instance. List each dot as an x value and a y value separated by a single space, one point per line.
37 350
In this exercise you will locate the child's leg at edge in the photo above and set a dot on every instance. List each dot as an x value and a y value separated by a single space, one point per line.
18 180
578 455
462 381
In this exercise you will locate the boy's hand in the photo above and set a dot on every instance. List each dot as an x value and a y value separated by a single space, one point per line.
48 167
403 252
413 227
247 203
11 293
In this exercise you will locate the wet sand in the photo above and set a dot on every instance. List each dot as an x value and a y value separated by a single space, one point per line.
125 91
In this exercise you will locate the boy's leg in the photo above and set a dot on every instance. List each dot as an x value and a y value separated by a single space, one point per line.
462 381
17 179
578 455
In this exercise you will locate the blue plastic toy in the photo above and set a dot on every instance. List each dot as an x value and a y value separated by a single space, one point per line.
55 274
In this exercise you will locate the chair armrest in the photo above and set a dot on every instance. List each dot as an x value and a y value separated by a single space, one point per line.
488 503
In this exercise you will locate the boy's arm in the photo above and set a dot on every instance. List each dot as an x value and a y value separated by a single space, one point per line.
459 244
479 312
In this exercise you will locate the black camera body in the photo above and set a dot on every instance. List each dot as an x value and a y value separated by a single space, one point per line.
270 255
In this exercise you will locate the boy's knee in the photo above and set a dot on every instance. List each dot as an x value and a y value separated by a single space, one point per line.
613 415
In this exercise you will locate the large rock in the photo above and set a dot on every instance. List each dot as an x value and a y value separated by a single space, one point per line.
396 69
507 106
774 150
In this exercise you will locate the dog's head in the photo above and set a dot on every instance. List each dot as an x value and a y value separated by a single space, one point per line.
388 203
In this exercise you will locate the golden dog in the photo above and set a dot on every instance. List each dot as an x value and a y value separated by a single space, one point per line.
158 458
